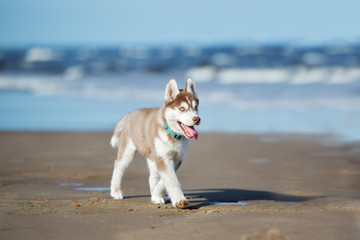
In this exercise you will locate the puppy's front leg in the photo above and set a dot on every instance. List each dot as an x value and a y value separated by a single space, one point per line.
172 184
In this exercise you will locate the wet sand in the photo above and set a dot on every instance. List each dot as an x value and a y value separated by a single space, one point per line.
297 187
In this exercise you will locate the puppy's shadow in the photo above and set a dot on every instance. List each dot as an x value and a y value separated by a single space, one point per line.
240 195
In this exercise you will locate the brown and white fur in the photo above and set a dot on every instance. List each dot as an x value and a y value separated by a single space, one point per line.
143 131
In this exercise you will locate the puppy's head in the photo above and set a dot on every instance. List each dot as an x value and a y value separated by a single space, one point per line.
181 108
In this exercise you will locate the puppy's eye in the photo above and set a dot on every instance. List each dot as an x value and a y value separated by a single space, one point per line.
196 108
182 109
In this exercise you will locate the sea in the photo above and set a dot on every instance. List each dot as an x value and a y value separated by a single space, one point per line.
243 88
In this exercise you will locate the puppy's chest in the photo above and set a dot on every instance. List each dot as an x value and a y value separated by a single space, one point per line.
172 149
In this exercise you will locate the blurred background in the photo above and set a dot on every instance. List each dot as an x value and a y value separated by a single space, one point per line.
260 66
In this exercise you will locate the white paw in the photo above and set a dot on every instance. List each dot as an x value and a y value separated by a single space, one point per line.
158 200
181 204
117 194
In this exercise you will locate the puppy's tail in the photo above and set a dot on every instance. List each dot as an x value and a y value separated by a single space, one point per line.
115 140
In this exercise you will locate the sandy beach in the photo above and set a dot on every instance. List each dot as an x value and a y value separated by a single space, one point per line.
54 185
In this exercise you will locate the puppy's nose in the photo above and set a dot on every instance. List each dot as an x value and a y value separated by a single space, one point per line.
196 120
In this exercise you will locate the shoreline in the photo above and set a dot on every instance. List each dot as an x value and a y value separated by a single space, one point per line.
293 183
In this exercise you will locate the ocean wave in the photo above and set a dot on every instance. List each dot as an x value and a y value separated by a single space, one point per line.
253 76
241 77
48 85
40 85
241 97
40 54
238 102
169 57
296 76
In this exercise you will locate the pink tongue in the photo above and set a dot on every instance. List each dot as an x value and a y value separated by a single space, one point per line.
190 132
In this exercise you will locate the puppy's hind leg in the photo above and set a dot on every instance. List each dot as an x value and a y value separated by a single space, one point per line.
125 156
155 183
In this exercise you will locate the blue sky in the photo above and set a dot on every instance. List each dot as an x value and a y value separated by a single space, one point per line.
109 22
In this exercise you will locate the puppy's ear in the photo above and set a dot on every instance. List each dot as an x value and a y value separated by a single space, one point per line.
172 90
190 87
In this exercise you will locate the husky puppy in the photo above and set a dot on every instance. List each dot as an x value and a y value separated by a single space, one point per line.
162 135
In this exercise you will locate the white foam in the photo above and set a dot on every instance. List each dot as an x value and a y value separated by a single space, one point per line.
236 101
223 59
341 75
221 94
202 74
37 54
41 85
74 73
313 58
308 76
296 76
253 76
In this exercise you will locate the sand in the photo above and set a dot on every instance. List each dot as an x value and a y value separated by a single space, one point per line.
294 187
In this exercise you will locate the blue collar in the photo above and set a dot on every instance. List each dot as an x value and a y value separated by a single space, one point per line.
169 131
